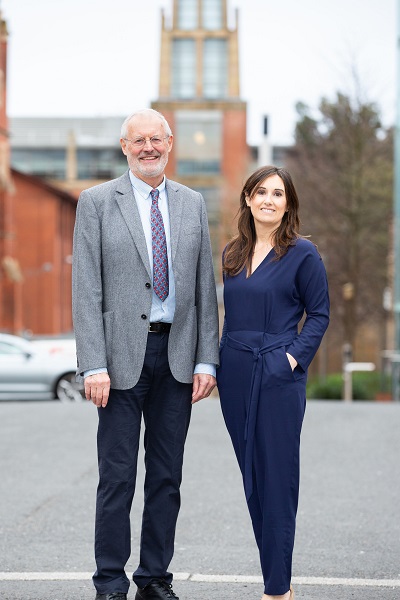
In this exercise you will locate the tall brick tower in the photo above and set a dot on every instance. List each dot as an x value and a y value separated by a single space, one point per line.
36 227
7 263
199 94
4 133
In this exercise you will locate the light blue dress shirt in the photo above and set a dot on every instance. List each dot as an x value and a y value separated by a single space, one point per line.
160 311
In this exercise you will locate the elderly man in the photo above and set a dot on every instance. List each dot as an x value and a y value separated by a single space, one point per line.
146 326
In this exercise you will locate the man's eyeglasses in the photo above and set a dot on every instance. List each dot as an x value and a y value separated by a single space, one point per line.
154 141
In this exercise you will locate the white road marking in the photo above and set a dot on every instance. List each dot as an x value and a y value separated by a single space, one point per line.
197 577
339 581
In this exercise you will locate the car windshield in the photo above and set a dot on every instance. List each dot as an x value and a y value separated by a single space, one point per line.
9 349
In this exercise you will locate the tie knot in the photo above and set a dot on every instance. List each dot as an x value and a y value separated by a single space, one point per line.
154 195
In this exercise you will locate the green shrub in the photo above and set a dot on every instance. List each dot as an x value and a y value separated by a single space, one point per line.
365 386
329 388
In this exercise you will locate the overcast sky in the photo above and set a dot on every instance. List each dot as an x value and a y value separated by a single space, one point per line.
101 57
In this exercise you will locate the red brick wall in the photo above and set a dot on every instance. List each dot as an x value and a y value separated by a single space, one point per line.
171 166
42 229
235 165
4 159
3 88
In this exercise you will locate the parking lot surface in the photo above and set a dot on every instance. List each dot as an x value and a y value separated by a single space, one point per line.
348 528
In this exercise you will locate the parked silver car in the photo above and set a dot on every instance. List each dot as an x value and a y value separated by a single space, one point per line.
36 371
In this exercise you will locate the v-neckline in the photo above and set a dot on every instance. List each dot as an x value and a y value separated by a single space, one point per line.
258 266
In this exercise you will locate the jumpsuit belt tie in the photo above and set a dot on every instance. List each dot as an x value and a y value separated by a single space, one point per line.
273 342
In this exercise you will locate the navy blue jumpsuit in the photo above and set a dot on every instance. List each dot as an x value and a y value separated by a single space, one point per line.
262 399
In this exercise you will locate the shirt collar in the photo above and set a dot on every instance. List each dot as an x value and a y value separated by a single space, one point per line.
143 188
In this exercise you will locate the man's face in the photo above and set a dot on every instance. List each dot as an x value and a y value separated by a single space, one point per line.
147 160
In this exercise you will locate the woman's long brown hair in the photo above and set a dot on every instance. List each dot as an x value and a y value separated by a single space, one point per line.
239 251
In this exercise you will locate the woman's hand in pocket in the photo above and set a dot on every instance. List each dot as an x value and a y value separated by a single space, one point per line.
292 361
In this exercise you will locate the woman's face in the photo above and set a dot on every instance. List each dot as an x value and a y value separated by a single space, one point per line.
268 204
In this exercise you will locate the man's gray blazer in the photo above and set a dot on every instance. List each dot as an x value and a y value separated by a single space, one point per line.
112 284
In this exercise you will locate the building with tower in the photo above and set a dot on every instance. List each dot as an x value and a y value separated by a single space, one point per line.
199 94
53 159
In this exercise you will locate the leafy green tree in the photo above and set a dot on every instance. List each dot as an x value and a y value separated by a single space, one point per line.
342 163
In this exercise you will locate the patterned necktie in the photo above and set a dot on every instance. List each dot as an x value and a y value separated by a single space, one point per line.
159 245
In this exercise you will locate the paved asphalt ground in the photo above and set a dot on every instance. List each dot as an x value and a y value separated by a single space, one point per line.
348 528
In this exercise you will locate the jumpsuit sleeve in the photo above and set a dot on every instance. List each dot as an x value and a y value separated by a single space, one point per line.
312 286
224 327
223 335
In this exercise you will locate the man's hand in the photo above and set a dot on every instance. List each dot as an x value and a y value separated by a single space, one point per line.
203 385
97 389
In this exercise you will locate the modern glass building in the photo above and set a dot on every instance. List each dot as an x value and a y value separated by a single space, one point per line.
70 151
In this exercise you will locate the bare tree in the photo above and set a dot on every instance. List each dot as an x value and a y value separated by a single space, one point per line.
342 164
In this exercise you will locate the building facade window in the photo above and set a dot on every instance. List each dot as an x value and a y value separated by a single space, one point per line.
215 68
212 17
184 68
212 197
188 12
198 167
42 162
50 163
198 142
99 163
213 204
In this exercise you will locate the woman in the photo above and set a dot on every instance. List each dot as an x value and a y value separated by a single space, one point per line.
271 277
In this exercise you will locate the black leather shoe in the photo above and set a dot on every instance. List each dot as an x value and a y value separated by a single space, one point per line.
112 596
158 589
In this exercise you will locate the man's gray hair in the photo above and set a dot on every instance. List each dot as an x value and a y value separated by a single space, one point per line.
124 127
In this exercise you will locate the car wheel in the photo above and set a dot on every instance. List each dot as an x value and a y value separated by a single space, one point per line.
68 390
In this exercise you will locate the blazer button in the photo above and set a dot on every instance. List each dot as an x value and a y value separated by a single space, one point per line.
148 285
144 317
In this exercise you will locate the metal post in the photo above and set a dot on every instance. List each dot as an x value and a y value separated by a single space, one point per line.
348 385
348 370
396 220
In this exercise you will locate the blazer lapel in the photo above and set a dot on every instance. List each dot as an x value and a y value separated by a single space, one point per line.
128 207
175 206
